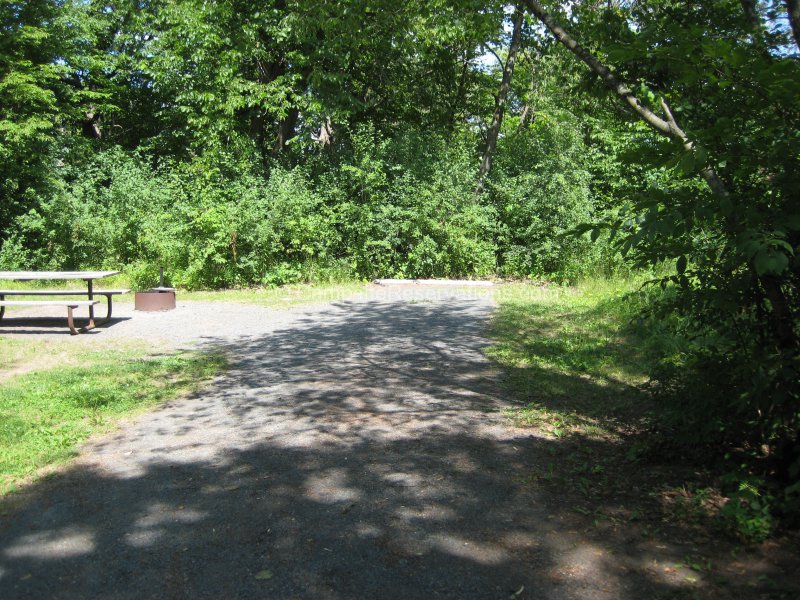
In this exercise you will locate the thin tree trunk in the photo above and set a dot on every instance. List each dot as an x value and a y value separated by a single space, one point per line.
527 115
793 9
758 29
286 130
782 319
462 86
750 12
500 103
90 125
325 136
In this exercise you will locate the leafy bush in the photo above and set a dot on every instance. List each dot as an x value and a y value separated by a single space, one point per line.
540 185
13 254
405 208
391 205
731 400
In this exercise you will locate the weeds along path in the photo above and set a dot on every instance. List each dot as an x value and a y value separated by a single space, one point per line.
353 450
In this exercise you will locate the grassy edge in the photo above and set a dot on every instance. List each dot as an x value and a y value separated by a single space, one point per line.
577 364
564 349
46 413
286 296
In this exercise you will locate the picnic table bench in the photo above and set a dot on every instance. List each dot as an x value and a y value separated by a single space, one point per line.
70 305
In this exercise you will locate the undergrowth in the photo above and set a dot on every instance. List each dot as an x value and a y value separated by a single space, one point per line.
580 362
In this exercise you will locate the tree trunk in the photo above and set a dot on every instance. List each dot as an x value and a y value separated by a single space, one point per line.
757 27
90 125
527 115
325 136
462 86
782 320
750 12
500 103
286 130
793 10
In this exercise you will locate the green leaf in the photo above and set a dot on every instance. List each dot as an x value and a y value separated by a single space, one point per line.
701 156
770 262
263 575
681 264
688 164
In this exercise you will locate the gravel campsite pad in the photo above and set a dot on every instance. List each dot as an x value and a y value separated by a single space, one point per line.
354 449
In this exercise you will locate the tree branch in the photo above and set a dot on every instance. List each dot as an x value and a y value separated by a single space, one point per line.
612 81
493 53
668 128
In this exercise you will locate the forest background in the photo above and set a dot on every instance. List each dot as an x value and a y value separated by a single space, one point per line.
243 144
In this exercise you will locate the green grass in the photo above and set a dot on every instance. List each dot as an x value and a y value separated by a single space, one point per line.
577 362
115 281
54 395
16 352
280 297
575 359
285 296
51 400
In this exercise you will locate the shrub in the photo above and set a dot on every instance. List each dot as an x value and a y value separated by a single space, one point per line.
540 186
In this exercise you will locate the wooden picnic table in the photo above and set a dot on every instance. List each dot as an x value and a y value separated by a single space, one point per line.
87 276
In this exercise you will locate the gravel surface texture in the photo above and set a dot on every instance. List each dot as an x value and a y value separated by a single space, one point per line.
354 450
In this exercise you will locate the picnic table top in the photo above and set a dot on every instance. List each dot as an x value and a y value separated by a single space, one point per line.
42 275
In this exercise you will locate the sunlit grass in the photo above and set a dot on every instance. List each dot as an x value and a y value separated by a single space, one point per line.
285 296
575 358
280 297
120 280
15 352
51 400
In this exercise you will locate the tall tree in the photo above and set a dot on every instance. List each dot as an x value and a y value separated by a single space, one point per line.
36 39
502 97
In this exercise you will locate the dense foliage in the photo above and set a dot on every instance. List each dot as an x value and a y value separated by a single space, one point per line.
721 199
257 144
241 145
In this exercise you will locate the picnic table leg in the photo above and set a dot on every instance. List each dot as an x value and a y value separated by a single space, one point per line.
91 306
2 308
108 309
71 321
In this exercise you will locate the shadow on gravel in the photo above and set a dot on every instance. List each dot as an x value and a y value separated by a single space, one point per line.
410 519
51 325
339 458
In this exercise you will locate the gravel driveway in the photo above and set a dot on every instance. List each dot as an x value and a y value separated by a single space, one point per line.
354 450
